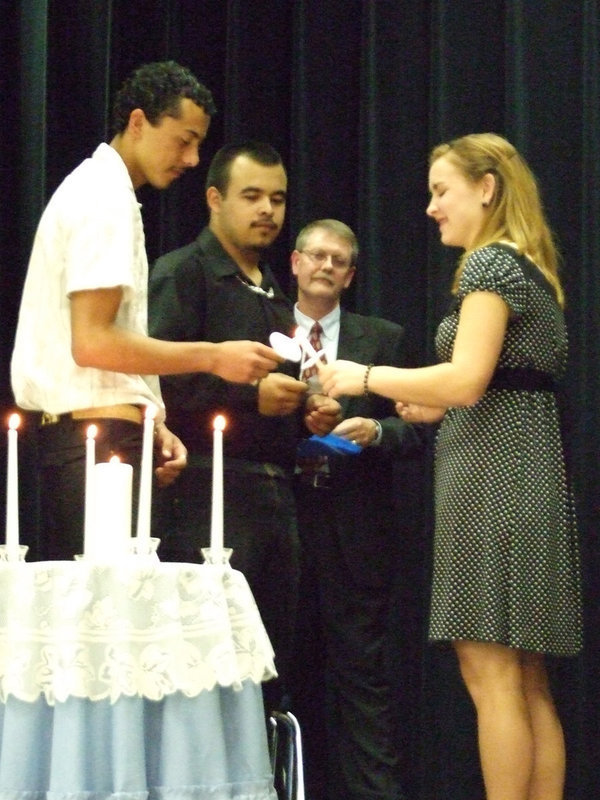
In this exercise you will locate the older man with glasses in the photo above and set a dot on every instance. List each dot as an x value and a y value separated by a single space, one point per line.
349 525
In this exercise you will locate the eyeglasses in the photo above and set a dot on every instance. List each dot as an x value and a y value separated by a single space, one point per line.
320 257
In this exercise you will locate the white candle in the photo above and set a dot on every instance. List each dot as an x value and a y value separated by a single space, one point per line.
90 461
145 498
111 527
12 487
216 528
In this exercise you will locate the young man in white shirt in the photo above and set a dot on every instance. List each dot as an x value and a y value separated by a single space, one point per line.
82 352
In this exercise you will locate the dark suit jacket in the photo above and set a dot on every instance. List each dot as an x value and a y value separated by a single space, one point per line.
368 508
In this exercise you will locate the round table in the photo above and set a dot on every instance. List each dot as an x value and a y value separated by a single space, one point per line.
135 679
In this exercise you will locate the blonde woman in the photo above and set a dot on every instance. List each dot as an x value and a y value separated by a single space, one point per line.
506 585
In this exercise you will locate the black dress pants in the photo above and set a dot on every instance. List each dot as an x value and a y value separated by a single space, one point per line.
61 456
340 683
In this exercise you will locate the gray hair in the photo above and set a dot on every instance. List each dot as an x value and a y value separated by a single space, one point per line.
333 226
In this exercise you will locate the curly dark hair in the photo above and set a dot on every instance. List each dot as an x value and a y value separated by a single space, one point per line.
158 89
219 170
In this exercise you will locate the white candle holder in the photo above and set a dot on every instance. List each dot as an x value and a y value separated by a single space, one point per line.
216 557
145 547
13 554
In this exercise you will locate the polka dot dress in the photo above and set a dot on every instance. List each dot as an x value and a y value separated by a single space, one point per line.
506 559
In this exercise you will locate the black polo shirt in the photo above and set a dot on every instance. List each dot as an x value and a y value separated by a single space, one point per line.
198 293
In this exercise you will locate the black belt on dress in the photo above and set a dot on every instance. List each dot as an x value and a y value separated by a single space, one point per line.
528 380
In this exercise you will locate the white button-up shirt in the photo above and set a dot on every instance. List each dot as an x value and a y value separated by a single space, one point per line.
90 236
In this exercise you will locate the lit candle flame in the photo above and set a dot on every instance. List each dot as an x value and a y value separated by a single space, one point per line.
14 421
114 460
92 431
219 422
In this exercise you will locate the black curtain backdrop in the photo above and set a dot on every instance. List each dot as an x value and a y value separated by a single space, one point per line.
353 93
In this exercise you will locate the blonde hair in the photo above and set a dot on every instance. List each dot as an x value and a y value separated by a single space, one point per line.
516 213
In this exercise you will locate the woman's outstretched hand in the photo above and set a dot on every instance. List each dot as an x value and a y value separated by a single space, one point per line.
342 378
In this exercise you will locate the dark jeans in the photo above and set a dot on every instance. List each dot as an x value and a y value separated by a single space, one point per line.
259 523
61 449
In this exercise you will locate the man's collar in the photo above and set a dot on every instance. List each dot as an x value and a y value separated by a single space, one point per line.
223 265
330 322
111 159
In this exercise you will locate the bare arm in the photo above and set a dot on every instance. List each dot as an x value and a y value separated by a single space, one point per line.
97 341
459 382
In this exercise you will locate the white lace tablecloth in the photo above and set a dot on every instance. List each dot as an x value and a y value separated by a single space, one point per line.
73 629
139 681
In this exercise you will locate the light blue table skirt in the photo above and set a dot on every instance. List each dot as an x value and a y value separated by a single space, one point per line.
208 747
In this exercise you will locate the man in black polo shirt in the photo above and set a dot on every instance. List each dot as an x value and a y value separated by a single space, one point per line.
219 286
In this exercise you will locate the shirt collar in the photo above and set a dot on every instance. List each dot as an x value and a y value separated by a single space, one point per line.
330 323
222 265
109 157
